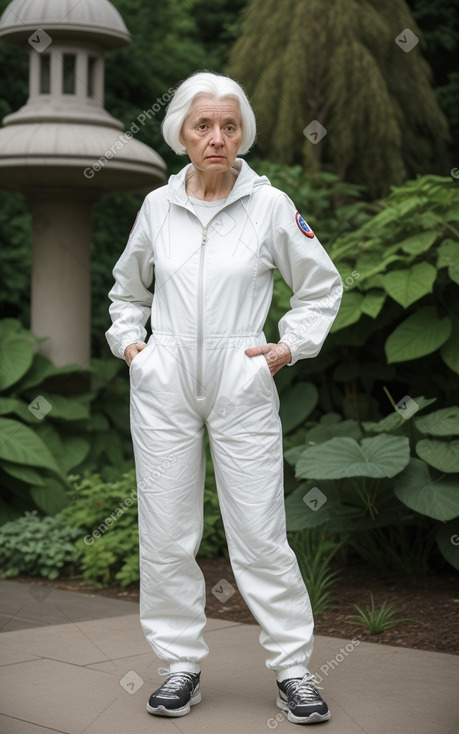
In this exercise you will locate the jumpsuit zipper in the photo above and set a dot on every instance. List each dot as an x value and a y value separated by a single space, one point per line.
199 339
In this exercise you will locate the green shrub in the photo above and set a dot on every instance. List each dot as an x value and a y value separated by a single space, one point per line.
54 420
36 546
390 485
40 418
106 515
399 318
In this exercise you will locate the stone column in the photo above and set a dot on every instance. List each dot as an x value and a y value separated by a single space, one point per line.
61 275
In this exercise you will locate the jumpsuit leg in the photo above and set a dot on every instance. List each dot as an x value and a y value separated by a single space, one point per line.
246 441
170 466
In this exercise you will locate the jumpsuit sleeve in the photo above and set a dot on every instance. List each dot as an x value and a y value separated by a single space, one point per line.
316 284
130 295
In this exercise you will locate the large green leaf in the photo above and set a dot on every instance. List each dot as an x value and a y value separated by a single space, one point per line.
49 435
297 403
373 303
8 405
408 286
293 454
16 355
418 243
20 444
42 368
421 333
52 498
315 503
447 538
324 432
350 310
74 451
17 407
381 456
394 421
375 257
9 326
26 474
443 455
70 408
452 215
443 422
303 512
450 349
448 256
438 499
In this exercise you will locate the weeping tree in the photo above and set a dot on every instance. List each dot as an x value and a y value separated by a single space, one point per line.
347 67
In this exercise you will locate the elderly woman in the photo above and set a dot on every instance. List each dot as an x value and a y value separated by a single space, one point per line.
212 238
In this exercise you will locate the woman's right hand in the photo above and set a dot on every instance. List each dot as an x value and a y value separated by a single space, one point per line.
132 351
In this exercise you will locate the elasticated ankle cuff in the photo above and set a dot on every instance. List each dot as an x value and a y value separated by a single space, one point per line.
180 665
295 671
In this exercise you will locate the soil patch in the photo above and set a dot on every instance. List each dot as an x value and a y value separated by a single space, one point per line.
432 601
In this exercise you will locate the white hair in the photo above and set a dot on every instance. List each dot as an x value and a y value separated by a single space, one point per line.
209 84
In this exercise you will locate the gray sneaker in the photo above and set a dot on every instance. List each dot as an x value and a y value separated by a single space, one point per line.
302 700
178 692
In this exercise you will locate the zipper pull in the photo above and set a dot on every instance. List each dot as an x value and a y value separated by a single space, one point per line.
204 236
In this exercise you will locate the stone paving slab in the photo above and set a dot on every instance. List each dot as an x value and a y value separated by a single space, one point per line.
33 605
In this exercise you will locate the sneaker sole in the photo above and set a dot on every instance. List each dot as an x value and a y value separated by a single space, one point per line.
313 718
183 711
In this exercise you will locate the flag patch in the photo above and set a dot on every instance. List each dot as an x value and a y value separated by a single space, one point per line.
303 225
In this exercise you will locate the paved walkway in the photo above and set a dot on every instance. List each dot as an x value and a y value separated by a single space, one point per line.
78 664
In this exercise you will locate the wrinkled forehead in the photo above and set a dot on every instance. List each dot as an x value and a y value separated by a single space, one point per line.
210 107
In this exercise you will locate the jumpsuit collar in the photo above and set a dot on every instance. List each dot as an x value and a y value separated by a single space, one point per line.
244 185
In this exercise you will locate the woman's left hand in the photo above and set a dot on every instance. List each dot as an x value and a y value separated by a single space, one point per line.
276 355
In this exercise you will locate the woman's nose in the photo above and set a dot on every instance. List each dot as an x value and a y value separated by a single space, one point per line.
217 137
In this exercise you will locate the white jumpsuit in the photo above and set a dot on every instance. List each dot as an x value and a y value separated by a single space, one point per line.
212 292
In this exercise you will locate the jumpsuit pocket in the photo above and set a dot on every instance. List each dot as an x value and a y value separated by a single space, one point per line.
142 356
259 384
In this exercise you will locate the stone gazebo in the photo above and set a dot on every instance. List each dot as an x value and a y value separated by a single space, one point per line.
62 149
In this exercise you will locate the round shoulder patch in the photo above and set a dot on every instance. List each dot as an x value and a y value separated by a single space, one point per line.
303 225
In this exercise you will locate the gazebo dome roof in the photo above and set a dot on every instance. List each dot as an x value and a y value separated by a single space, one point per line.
96 20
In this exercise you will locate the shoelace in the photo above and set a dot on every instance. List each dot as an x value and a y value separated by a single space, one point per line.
176 681
305 690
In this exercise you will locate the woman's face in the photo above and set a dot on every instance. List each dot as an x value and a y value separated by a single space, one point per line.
212 133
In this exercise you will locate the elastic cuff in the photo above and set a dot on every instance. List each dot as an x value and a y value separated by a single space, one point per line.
180 665
295 671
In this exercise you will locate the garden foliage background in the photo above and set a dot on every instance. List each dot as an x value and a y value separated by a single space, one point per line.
371 426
